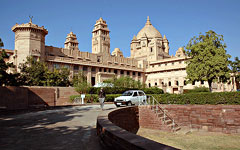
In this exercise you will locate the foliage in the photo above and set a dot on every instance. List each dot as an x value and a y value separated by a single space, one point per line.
208 59
125 82
80 83
36 73
1 43
57 77
94 97
232 98
153 90
5 77
197 90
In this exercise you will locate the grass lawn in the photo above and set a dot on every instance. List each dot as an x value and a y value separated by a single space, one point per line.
193 140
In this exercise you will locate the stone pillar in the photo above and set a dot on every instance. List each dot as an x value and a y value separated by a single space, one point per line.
89 75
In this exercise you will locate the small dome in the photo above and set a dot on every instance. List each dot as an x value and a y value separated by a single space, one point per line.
117 52
149 30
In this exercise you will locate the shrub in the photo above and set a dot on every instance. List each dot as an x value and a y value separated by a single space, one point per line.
94 97
153 90
197 90
232 98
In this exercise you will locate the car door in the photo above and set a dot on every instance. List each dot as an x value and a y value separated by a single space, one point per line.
135 98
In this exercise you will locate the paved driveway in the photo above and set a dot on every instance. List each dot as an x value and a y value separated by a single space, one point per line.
66 128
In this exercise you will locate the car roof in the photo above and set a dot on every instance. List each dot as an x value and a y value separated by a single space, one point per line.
134 90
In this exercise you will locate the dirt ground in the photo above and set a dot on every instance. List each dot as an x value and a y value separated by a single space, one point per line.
193 140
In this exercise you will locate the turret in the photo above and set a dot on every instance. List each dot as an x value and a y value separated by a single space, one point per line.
29 41
165 44
100 37
71 41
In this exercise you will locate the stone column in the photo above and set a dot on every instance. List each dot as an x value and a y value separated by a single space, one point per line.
89 75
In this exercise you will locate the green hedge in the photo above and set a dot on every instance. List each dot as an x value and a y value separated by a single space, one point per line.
197 90
120 90
231 98
94 97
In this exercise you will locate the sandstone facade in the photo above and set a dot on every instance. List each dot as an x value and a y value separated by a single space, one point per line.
149 62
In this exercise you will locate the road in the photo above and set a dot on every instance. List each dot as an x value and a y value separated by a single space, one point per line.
66 128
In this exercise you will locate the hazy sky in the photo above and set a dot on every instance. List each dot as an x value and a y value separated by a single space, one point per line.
179 20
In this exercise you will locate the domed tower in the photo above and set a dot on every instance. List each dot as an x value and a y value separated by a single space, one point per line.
149 44
71 41
100 37
117 52
29 41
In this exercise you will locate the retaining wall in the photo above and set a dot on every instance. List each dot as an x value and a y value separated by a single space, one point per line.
213 118
114 135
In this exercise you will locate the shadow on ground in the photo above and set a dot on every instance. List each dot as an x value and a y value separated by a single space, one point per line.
51 129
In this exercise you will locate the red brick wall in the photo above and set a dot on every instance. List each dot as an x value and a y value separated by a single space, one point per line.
213 118
149 119
126 118
12 98
41 96
113 137
64 93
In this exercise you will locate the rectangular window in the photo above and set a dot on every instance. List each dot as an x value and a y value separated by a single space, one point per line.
56 66
115 71
122 72
134 73
193 83
109 70
128 73
202 82
105 70
84 68
185 82
100 69
93 69
76 67
139 74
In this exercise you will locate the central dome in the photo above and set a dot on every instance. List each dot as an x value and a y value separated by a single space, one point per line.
149 31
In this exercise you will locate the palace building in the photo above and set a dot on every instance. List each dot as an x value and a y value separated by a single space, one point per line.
149 62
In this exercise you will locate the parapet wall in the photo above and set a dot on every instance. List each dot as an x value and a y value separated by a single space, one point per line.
114 134
212 118
113 125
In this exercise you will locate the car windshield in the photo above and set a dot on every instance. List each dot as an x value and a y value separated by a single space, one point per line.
127 93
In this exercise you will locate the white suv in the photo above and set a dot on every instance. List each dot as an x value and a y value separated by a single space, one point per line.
131 97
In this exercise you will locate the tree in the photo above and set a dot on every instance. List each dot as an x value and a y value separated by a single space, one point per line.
36 73
33 72
235 69
1 43
125 82
80 83
5 77
208 59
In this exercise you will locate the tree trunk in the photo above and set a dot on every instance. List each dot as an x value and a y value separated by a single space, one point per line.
210 85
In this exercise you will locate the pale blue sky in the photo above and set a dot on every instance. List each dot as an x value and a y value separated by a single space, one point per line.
179 20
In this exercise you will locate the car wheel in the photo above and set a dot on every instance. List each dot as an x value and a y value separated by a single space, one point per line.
129 103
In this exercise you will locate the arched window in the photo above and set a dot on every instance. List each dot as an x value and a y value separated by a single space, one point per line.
169 83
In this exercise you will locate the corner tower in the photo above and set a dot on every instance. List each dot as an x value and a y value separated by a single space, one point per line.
71 41
29 41
100 37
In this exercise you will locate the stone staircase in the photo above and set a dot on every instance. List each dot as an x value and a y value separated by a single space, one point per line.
163 115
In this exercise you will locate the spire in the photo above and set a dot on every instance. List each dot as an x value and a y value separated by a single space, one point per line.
164 37
30 21
134 38
148 21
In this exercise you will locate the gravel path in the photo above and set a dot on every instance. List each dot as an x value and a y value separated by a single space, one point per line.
58 129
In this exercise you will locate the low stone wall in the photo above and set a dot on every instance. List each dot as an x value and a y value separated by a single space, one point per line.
13 98
114 134
212 118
